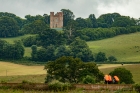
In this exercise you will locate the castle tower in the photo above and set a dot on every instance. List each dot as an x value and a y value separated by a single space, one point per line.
56 21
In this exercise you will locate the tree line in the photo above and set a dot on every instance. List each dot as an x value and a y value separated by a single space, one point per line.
68 42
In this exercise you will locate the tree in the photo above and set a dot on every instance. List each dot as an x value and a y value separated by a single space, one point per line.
81 23
108 19
67 16
93 20
51 37
35 27
34 52
101 57
8 27
69 69
81 50
70 29
124 75
112 58
62 51
19 49
29 41
12 51
124 21
46 54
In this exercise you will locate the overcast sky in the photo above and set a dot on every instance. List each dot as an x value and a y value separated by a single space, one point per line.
80 8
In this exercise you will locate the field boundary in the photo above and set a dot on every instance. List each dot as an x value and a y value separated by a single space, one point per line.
43 86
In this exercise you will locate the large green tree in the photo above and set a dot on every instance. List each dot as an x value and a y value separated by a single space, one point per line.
93 20
8 27
51 37
69 69
124 75
11 51
101 57
67 16
81 50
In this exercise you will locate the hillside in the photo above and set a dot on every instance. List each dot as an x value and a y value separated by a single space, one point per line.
124 47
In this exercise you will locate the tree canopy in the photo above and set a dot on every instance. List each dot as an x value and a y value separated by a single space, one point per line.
8 27
124 75
69 69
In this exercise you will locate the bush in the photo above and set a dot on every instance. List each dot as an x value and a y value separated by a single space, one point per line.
89 80
123 74
59 86
137 87
112 58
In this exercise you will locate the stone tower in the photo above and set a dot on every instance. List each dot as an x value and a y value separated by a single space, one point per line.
56 21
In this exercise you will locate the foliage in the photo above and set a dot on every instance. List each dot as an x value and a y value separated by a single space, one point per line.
137 87
69 69
101 57
112 58
11 51
8 27
29 41
62 51
69 30
59 86
123 74
51 37
46 54
34 52
81 50
35 27
67 16
89 80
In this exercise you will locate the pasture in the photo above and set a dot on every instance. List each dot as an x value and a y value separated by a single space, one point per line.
126 48
16 73
134 69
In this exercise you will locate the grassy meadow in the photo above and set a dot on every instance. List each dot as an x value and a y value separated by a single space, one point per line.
16 73
126 48
12 39
134 69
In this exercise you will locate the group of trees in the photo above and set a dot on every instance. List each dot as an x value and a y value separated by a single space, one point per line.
73 70
11 51
78 48
49 45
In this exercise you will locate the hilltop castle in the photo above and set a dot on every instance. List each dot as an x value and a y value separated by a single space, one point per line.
56 21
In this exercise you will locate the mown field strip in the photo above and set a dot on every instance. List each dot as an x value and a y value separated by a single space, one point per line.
10 69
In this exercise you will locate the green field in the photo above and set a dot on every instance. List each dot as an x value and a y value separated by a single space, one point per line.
134 69
12 39
126 48
16 73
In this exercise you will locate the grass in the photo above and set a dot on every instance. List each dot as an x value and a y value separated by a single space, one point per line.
126 48
72 91
134 69
10 69
16 73
12 39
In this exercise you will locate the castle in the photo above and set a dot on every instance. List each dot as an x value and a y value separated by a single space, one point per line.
56 21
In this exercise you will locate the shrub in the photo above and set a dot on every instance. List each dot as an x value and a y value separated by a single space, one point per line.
59 86
112 58
137 87
89 80
123 74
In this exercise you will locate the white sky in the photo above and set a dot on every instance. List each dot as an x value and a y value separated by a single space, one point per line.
80 8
